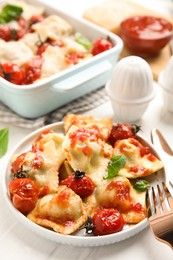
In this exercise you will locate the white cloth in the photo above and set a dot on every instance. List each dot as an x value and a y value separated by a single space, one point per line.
82 104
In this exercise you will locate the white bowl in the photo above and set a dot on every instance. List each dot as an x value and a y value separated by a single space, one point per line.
79 239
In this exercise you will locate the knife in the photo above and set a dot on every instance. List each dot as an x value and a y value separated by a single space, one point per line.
165 153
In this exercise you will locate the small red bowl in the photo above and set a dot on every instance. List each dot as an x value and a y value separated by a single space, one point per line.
145 35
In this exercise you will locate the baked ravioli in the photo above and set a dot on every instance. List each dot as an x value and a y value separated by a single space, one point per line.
79 173
139 160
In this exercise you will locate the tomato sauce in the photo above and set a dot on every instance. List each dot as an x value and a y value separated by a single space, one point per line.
84 135
17 164
146 35
144 27
38 144
63 198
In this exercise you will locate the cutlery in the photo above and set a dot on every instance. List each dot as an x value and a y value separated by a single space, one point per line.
165 153
160 211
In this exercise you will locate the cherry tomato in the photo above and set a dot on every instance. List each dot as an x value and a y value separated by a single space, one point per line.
33 70
101 45
42 48
73 58
107 221
83 186
23 24
24 194
36 19
122 131
5 32
12 72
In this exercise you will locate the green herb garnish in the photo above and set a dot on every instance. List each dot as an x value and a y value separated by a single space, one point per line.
82 40
115 165
9 13
141 185
3 141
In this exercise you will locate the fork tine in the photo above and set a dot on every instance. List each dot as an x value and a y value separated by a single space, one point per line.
162 189
171 183
150 203
168 195
153 201
157 200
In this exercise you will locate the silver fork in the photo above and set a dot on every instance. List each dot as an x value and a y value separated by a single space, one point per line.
160 213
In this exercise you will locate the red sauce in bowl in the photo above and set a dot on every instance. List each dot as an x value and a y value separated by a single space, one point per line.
145 35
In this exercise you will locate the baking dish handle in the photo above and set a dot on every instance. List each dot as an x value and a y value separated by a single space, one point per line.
82 77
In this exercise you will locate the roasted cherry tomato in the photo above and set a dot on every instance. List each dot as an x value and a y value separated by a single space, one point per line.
73 58
12 72
33 70
101 45
36 19
107 221
123 131
23 28
5 32
80 183
43 46
24 194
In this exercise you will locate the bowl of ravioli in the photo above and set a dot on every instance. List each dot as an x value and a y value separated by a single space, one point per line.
47 57
81 143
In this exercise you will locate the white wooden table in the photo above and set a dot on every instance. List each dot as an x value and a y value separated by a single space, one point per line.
17 242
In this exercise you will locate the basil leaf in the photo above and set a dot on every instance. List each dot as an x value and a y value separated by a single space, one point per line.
115 165
3 141
141 185
82 40
9 13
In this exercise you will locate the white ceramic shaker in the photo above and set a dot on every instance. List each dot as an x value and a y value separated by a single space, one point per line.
131 88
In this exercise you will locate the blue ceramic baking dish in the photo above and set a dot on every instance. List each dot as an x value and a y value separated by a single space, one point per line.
44 96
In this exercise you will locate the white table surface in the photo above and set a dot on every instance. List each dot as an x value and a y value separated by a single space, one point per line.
17 242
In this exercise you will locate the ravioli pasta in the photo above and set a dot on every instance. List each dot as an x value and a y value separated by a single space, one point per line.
84 146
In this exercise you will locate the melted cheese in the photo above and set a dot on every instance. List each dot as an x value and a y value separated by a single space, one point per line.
31 40
63 211
15 52
86 154
52 27
53 61
136 165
